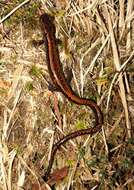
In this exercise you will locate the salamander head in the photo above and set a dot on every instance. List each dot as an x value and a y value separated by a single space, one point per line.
47 23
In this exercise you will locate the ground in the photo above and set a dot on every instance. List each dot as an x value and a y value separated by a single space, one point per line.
96 41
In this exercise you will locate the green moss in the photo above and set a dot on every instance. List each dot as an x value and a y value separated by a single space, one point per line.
29 86
3 91
126 164
2 63
80 125
103 174
81 152
92 162
70 163
34 71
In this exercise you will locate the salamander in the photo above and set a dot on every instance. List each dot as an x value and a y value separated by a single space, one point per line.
59 80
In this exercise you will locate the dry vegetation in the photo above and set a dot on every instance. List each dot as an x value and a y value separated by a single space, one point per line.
97 42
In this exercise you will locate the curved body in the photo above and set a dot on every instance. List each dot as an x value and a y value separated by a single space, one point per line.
59 80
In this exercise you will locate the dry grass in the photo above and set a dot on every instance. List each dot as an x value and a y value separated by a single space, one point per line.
97 42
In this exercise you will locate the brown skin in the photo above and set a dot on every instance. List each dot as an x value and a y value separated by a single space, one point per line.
59 80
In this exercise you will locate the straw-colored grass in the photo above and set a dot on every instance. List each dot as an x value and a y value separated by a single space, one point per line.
97 43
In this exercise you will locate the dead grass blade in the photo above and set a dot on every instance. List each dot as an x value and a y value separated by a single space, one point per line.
15 81
117 66
14 10
130 5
